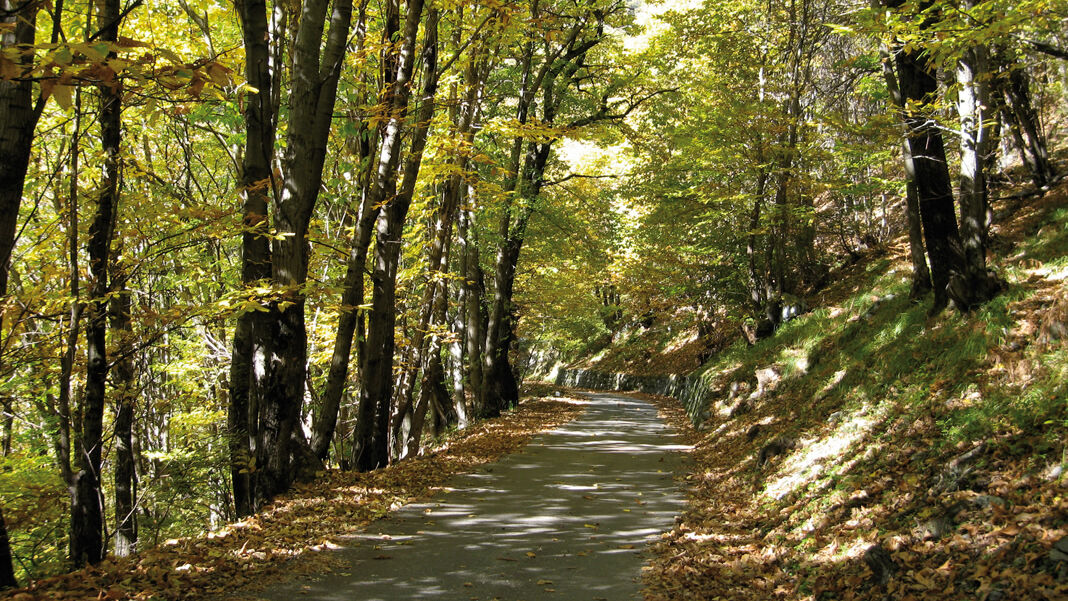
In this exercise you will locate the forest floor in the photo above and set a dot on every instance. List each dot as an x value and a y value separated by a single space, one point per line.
870 451
295 534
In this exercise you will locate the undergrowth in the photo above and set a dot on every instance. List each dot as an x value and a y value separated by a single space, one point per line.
940 440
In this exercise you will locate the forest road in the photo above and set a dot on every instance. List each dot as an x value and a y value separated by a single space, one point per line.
566 519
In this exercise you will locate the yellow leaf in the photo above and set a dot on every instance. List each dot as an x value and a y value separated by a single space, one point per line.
62 95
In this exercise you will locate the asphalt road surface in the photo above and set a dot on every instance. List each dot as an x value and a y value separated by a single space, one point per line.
567 518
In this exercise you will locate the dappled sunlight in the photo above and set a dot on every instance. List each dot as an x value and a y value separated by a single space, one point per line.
580 502
817 456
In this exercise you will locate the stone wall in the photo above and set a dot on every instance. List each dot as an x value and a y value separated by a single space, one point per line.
692 391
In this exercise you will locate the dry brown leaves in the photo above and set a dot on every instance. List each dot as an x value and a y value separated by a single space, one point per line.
734 543
307 520
988 538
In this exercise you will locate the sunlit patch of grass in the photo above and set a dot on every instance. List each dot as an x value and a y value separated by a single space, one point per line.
830 453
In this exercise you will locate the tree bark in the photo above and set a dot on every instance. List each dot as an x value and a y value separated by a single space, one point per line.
475 311
278 391
18 119
931 175
951 278
377 391
256 187
124 381
7 570
973 105
1024 121
352 289
87 514
921 275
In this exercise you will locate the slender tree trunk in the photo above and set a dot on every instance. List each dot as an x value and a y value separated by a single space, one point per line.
121 306
973 105
87 514
1024 121
352 291
456 361
921 275
757 281
7 570
474 293
377 391
500 388
256 191
8 407
429 358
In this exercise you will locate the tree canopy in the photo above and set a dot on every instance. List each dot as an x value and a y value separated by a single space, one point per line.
244 243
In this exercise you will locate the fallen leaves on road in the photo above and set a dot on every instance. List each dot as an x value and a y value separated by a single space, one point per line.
311 518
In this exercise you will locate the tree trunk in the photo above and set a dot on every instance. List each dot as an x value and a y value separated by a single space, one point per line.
7 570
432 389
921 275
87 514
456 361
499 387
1024 122
352 289
949 274
474 309
931 175
18 119
278 391
973 104
124 381
256 187
377 391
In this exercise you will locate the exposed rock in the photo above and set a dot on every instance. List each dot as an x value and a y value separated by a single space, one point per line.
937 527
755 332
1059 552
764 329
737 389
881 564
876 306
793 310
776 446
1062 544
767 379
741 408
860 499
985 501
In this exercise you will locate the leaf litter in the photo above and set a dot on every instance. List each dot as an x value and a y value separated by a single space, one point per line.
289 536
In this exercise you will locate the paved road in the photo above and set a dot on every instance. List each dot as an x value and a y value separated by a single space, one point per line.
564 519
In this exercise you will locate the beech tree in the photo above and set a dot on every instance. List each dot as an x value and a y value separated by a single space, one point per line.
433 198
953 276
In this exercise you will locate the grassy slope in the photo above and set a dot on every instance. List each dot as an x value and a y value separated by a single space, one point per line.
940 439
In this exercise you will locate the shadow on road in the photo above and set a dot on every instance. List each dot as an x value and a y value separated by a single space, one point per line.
565 518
